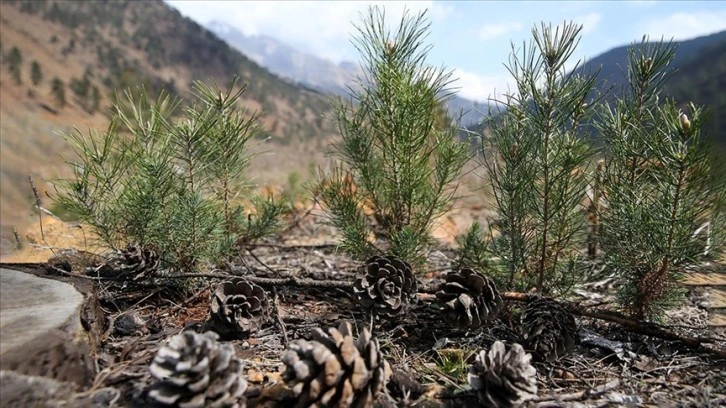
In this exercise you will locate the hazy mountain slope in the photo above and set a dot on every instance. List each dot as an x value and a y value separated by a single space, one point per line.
93 48
315 72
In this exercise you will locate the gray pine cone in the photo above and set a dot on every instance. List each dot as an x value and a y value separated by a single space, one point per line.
194 370
469 298
239 308
548 328
386 285
132 263
335 369
503 377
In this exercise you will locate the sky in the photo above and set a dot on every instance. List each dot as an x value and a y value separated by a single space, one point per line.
472 38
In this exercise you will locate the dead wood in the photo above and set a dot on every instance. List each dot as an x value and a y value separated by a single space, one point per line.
289 281
556 400
632 325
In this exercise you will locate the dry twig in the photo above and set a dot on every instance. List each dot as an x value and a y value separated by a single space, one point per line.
556 400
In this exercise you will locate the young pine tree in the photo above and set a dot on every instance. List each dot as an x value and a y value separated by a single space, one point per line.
660 185
399 157
537 159
170 183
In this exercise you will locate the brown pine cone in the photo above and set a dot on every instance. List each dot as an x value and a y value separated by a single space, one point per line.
469 298
335 369
132 263
385 285
194 370
503 377
548 328
239 308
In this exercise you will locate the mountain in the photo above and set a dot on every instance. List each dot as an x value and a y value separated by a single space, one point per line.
699 76
286 61
614 61
62 63
702 79
315 72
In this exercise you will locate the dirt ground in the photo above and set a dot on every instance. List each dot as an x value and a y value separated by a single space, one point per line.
647 371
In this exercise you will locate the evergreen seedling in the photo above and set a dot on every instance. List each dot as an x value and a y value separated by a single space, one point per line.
170 183
660 186
399 158
537 159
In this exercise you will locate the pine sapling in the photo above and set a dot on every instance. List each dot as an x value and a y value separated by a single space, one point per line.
399 158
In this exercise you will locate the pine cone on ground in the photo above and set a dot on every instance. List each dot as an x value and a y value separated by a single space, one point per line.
132 263
404 388
386 285
470 298
503 377
194 370
548 328
335 370
239 308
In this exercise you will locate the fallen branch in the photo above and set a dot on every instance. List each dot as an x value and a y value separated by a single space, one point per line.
289 281
556 400
331 245
635 326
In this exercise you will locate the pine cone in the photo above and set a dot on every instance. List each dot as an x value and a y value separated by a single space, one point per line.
470 298
194 370
132 263
548 328
385 284
503 377
239 308
335 370
404 388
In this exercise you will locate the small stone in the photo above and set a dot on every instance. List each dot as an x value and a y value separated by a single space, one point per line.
129 323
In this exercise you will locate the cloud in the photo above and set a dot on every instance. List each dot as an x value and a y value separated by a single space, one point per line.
641 3
493 31
440 11
477 87
589 22
322 28
684 26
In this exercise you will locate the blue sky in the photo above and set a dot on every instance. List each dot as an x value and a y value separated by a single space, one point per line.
472 38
